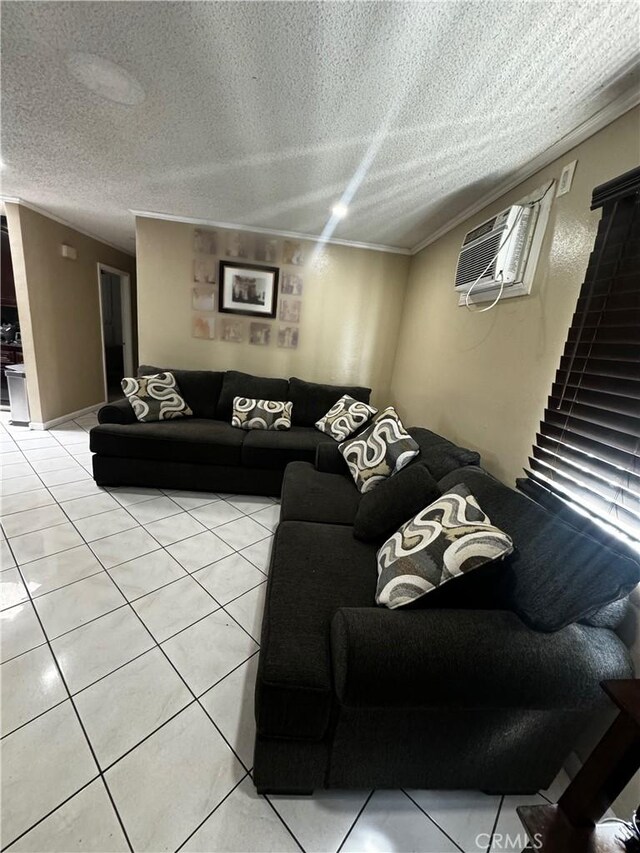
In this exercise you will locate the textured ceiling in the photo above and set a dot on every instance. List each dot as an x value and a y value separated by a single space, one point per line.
265 114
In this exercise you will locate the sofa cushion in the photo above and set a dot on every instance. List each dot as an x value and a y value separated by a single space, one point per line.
271 449
260 414
236 384
312 400
310 495
396 500
200 388
439 454
345 417
556 575
156 397
315 570
183 440
445 541
379 451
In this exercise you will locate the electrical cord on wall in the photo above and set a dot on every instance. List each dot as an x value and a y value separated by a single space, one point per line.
467 295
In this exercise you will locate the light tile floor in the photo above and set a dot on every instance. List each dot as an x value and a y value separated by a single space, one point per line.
130 623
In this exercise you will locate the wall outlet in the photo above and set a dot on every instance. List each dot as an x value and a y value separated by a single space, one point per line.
564 184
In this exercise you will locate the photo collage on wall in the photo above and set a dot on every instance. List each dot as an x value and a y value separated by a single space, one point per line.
247 311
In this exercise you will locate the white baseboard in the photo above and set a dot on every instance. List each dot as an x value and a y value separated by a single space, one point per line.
69 417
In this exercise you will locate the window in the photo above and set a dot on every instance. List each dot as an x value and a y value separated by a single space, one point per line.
587 451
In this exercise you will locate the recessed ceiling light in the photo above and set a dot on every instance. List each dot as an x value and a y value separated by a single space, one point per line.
105 78
340 210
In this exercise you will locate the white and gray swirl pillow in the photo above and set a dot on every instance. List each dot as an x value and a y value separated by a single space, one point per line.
261 414
448 539
155 398
379 451
345 417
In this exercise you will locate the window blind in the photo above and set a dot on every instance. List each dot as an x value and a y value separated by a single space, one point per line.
587 451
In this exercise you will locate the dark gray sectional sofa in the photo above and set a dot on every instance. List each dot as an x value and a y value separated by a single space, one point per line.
204 452
487 684
460 692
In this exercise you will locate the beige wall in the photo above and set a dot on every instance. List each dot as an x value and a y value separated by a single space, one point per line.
351 308
483 380
59 310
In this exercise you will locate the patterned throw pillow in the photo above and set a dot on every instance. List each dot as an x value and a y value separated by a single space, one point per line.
380 451
155 398
448 539
261 414
345 417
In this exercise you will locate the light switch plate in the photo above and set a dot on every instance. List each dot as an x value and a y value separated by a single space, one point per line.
566 177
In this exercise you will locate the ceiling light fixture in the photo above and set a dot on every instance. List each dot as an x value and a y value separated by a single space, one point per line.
340 210
105 78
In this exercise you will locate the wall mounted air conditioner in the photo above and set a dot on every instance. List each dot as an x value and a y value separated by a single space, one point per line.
494 254
500 256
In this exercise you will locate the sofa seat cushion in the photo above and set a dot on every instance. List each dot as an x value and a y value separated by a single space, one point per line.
182 440
315 570
311 495
271 449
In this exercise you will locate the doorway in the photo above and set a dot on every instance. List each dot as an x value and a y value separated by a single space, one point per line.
117 334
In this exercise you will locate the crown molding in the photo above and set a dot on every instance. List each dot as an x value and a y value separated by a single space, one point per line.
597 122
41 210
294 235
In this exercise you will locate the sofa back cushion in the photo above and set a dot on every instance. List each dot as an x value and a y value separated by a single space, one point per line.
396 500
439 454
236 384
200 388
312 400
556 575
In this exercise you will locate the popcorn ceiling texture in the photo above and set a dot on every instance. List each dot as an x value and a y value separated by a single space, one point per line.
262 113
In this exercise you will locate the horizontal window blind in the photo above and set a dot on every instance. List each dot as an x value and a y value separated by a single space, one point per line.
586 460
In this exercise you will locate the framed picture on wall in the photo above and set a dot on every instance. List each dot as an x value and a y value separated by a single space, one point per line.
248 289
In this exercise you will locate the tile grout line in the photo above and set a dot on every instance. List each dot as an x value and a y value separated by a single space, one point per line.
433 820
356 819
495 824
180 846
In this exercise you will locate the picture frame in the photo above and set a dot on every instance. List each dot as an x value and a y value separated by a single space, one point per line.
260 334
248 289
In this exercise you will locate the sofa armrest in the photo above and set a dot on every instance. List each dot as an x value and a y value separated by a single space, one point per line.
329 459
469 658
118 412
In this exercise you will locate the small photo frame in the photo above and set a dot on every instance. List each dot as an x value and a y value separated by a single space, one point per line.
203 326
237 245
248 289
291 284
260 334
205 242
233 331
293 253
203 299
290 310
288 337
267 250
204 270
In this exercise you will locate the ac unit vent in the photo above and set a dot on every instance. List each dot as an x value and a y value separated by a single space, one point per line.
494 253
